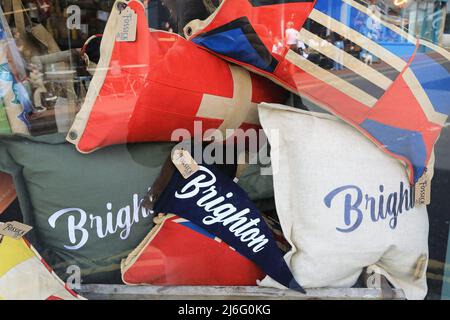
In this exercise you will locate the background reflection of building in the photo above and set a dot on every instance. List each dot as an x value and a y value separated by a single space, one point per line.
159 15
423 18
446 34
427 19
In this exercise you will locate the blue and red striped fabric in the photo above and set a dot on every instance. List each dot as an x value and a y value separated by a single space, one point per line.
396 90
215 203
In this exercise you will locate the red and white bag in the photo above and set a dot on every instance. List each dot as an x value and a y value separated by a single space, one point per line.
146 88
400 103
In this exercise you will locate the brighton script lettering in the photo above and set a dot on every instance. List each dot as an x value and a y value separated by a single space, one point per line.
81 225
357 205
222 211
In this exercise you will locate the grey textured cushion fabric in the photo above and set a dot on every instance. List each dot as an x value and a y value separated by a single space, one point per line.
85 208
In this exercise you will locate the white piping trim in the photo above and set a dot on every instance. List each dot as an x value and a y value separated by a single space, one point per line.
106 50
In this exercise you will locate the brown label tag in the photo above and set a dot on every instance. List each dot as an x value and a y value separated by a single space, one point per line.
423 191
127 26
15 230
184 162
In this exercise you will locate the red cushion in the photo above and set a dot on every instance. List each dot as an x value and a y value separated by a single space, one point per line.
179 253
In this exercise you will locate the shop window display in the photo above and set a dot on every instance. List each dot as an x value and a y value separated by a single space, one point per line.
96 92
447 23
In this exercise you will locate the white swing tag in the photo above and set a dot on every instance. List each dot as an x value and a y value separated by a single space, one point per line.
127 26
15 230
184 162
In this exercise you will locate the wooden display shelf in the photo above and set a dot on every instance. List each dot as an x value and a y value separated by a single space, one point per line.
123 292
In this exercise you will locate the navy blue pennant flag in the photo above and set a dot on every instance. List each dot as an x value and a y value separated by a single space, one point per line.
216 203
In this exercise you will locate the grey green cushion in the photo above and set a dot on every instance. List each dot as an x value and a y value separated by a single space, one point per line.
50 176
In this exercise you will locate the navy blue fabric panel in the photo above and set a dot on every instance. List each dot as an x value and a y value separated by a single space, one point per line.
408 144
239 41
217 204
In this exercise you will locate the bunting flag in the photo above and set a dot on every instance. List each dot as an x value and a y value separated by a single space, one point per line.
214 202
24 275
395 90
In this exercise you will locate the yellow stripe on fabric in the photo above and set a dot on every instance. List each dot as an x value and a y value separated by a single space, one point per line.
362 41
436 48
12 253
423 99
330 79
356 65
215 107
234 111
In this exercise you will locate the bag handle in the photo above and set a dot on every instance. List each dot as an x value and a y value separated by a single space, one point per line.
234 111
160 184
210 6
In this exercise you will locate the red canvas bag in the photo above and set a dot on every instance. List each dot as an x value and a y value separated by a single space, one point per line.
145 89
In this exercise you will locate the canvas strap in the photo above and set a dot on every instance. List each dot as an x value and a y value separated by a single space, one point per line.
197 25
160 184
374 279
238 109
210 6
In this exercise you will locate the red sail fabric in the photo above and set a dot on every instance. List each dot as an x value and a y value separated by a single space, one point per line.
395 90
177 252
144 90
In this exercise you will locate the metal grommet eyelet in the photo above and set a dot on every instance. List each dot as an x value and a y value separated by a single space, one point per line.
188 31
73 135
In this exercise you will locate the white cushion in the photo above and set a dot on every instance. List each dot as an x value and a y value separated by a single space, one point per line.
319 163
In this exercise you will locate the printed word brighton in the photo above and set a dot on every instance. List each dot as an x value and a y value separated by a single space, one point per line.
379 208
81 230
222 211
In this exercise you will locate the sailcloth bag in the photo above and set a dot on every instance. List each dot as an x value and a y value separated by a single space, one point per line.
400 103
150 84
